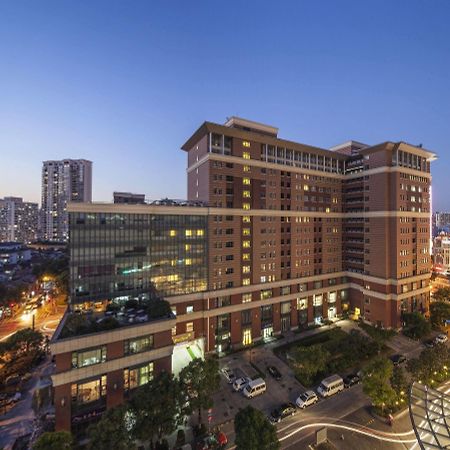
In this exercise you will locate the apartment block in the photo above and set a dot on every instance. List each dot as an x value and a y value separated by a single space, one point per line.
19 220
67 180
275 235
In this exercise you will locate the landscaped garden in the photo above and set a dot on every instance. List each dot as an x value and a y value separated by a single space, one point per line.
333 351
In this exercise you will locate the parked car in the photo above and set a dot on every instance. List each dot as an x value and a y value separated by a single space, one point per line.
351 380
274 372
306 399
254 388
285 410
398 359
441 339
330 386
229 375
240 383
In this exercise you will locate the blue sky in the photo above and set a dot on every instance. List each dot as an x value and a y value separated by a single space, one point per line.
125 83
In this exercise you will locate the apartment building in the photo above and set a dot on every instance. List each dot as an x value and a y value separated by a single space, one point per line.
19 220
275 235
67 180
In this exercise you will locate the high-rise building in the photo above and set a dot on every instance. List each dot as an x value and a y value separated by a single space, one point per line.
68 180
274 236
18 220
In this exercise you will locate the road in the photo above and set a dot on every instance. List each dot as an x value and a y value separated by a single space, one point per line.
46 320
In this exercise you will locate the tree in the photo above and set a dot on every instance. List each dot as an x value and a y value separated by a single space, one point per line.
111 431
377 384
439 313
155 408
442 295
59 440
199 381
309 361
430 365
415 325
254 431
25 340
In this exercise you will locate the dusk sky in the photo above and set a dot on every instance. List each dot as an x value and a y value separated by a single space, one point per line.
125 83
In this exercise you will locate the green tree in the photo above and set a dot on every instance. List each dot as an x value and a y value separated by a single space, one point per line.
377 382
199 381
439 312
111 431
308 362
442 295
415 325
155 408
430 365
25 340
59 440
254 431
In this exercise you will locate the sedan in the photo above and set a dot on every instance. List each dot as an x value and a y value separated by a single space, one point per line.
398 359
229 375
240 383
274 372
306 399
285 410
441 339
351 380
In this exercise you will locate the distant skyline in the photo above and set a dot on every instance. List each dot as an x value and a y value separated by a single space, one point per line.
125 84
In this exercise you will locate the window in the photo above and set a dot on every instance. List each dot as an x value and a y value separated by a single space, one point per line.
285 290
246 317
246 281
137 376
245 269
88 357
246 181
189 309
188 233
89 391
286 308
138 345
172 233
246 244
189 327
246 168
317 300
246 206
265 294
246 155
246 231
302 303
200 232
247 297
246 219
246 256
246 143
246 194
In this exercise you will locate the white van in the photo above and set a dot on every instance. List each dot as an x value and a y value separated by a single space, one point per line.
254 388
330 386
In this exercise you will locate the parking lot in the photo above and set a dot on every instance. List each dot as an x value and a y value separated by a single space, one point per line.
227 402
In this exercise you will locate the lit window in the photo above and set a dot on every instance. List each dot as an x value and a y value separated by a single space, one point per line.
188 261
246 244
188 232
246 168
246 181
246 219
246 297
246 155
306 187
172 233
200 232
327 210
246 144
187 247
189 309
189 327
246 194
245 269
246 231
246 256
246 206
246 281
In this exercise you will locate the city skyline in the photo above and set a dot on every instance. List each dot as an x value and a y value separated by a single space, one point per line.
126 91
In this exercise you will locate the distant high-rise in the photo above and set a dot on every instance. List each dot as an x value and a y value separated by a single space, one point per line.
63 181
18 220
129 198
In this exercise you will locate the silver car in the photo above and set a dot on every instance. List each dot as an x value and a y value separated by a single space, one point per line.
306 399
240 383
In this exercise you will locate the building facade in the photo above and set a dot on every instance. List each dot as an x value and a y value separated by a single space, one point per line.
68 180
129 198
275 236
19 220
